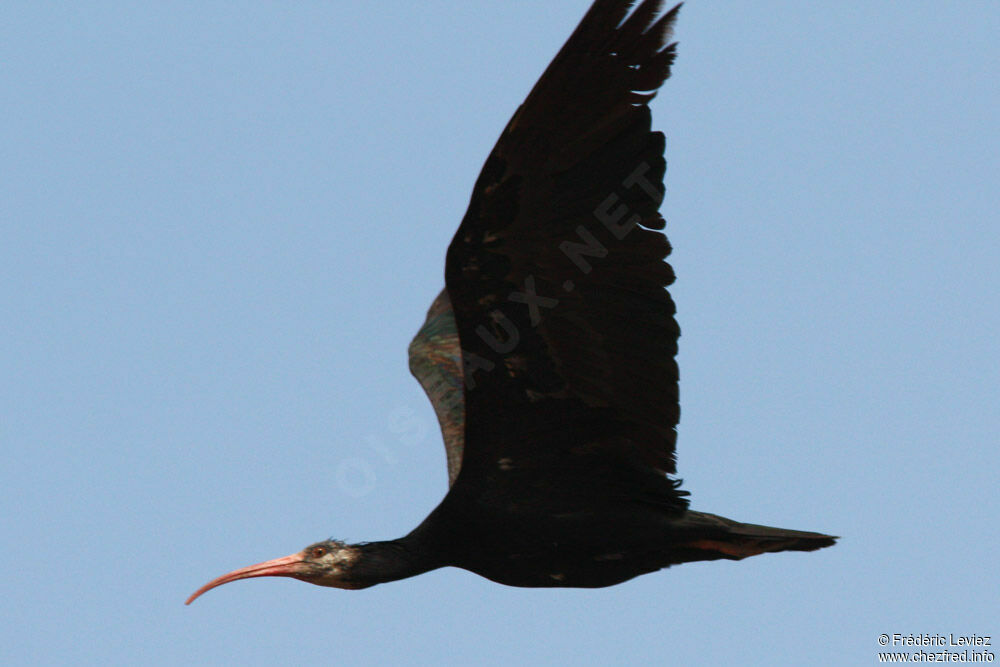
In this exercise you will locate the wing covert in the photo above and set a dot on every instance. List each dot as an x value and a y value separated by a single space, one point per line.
436 361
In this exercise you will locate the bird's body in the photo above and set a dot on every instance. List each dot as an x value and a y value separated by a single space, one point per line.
549 355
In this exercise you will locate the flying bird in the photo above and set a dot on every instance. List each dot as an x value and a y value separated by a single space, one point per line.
549 354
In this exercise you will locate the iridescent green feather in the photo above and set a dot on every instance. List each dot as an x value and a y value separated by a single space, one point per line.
436 362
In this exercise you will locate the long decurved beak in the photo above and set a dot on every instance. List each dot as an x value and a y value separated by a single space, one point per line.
288 566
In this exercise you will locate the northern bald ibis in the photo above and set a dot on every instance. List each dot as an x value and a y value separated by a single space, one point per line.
549 355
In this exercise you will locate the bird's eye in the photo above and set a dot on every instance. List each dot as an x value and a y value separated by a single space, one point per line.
317 552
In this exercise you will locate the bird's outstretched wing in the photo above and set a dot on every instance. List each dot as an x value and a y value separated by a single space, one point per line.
556 275
436 362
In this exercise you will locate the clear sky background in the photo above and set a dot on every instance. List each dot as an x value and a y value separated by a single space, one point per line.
223 221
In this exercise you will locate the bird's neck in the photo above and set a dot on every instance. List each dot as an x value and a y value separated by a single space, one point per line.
381 562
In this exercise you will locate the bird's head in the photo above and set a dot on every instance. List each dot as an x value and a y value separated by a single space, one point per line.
324 564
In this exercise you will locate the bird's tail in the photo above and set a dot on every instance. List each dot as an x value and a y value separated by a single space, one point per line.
710 537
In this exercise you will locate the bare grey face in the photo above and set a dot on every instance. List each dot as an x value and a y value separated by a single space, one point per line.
328 563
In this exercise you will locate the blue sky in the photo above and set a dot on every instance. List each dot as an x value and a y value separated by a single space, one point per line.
222 223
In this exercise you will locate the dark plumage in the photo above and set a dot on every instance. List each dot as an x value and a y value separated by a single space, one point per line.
549 356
